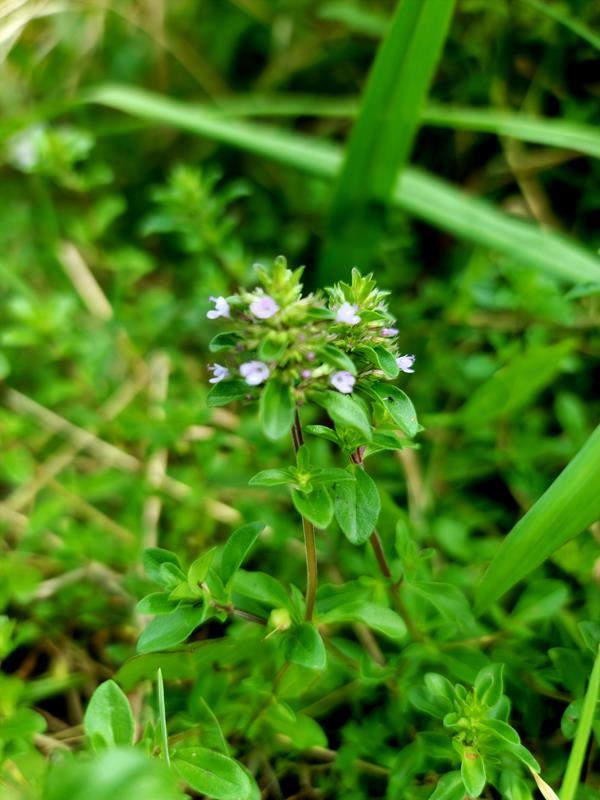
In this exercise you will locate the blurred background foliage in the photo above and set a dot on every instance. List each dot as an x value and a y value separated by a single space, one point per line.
115 229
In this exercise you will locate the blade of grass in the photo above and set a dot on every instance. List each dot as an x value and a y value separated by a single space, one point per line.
553 132
572 777
574 25
160 687
569 505
383 134
417 192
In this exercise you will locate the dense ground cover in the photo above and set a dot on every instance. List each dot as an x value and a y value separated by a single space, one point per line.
152 153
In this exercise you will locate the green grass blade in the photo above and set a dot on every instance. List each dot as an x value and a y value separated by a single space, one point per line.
556 13
572 777
383 134
417 192
160 688
569 506
552 132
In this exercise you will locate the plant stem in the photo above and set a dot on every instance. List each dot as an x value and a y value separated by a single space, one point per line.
584 729
384 567
309 536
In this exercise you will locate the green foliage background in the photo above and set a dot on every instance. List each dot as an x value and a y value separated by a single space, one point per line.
151 153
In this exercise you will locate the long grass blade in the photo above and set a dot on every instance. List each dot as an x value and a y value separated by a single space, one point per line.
569 505
417 192
572 777
383 134
557 13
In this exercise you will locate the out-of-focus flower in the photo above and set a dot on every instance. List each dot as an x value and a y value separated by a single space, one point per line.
264 307
347 313
343 381
310 356
219 373
306 373
406 362
389 331
221 308
254 372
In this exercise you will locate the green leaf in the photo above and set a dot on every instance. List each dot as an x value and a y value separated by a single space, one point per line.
489 684
226 340
323 432
302 731
169 630
379 618
383 133
398 406
212 774
472 771
226 392
303 645
568 506
357 506
277 409
199 569
590 633
108 719
326 475
449 787
237 547
271 349
381 358
272 477
156 603
153 558
337 358
23 724
261 587
126 773
418 193
317 506
345 412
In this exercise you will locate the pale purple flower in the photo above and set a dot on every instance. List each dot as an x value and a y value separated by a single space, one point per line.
221 308
264 307
343 381
254 372
310 356
347 313
389 331
306 373
405 363
219 373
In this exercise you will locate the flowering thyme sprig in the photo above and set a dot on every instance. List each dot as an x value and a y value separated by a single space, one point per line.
287 348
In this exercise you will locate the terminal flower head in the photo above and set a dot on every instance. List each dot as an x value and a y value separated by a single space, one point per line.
406 362
254 372
219 373
343 381
221 308
264 307
347 313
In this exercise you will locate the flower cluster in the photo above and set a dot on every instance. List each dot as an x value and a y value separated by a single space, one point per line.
341 340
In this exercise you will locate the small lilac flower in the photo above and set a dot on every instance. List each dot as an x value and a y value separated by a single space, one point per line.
347 313
343 381
254 372
219 373
306 373
405 363
310 356
389 331
264 307
221 308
